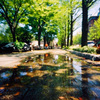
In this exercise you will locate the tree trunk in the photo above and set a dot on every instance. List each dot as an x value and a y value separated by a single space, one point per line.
63 42
44 41
65 33
85 83
84 23
71 34
13 33
61 45
48 43
68 35
39 33
68 40
14 39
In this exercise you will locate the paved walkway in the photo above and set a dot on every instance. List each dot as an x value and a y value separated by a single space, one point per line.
10 60
13 59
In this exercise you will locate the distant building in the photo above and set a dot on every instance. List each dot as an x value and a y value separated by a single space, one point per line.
92 19
99 12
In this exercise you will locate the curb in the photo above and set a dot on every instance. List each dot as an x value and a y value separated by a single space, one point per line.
92 57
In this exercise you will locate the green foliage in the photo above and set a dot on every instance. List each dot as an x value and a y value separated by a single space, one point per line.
95 30
61 39
41 19
19 45
24 34
46 17
77 39
85 49
65 27
4 36
65 47
14 11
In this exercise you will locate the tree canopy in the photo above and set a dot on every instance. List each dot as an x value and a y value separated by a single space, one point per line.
11 12
47 18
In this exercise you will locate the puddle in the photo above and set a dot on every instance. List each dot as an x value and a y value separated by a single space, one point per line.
50 77
23 73
5 75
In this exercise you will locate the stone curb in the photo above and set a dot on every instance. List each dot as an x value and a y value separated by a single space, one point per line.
92 57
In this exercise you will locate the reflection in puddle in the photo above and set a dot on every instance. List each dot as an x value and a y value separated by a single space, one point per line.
96 91
5 75
23 73
50 77
77 66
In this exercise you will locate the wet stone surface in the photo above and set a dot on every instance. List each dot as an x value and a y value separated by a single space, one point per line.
50 77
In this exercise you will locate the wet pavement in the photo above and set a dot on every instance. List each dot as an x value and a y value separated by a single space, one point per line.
50 77
13 59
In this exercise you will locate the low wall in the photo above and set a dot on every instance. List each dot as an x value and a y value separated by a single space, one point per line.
92 57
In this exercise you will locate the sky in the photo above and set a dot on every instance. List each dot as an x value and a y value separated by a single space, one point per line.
93 11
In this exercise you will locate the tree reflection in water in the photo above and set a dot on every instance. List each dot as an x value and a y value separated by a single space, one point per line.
85 84
47 77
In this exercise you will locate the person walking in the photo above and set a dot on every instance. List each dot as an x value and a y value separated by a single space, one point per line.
46 46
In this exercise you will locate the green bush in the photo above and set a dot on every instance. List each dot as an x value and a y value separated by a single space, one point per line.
19 45
85 49
65 47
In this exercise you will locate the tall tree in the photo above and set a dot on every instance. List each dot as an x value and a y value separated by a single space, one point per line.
51 30
74 6
62 20
70 8
86 4
68 32
12 11
62 30
43 12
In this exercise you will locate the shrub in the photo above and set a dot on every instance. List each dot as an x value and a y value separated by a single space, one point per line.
86 49
65 47
19 45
